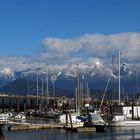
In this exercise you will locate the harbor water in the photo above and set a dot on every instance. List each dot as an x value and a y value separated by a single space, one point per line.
118 133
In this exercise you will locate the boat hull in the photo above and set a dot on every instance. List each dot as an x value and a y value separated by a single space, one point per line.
99 127
124 123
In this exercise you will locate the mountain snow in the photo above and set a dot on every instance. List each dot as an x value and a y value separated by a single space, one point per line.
97 70
7 73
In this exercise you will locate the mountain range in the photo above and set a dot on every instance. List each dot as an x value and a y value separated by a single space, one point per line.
64 80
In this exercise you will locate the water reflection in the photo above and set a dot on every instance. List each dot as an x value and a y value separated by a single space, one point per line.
2 137
56 134
69 135
124 133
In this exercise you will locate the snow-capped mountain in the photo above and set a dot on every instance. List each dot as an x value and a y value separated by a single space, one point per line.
65 77
6 72
129 70
6 76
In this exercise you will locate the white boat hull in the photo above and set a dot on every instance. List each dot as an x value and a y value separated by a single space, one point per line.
76 122
132 123
124 123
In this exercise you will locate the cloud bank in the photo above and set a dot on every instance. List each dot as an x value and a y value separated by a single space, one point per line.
85 49
90 46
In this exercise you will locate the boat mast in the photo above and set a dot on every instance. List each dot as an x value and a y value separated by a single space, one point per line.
119 78
42 89
78 91
76 101
47 89
37 86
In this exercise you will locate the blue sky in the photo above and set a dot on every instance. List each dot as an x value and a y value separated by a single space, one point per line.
29 28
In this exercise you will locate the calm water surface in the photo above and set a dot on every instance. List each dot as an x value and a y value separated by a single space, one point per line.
60 134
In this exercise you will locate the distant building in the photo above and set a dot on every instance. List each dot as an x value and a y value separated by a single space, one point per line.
63 101
127 111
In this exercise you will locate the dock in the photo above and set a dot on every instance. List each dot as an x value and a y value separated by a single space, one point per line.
30 126
82 129
70 126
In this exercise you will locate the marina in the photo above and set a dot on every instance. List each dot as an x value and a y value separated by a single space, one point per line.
69 70
81 114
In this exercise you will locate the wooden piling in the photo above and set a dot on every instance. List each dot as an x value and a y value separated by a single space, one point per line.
70 120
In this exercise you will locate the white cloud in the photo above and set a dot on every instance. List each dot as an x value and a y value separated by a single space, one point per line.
92 46
128 43
62 45
86 49
19 63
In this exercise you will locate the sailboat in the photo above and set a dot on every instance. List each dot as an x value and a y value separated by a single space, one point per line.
121 119
74 116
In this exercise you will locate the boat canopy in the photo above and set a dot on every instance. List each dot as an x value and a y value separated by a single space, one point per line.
119 118
95 117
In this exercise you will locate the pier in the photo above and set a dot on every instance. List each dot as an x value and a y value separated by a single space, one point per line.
23 103
29 126
13 126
